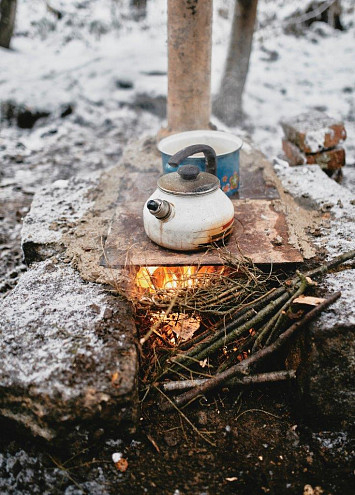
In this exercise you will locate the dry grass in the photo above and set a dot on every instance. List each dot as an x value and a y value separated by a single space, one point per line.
174 316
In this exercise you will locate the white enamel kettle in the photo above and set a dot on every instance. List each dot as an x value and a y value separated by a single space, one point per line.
188 211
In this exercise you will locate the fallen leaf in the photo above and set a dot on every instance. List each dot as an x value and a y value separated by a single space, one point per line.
203 363
309 300
120 462
186 327
122 465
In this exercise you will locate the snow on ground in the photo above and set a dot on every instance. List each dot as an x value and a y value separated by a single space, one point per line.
289 75
104 68
109 67
83 58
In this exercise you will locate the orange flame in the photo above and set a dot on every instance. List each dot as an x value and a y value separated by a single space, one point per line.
175 278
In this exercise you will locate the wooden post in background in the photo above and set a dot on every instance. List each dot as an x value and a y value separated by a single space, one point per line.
189 64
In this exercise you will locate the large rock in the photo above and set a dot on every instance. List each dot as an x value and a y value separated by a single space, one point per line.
55 210
67 353
324 356
68 347
313 131
313 190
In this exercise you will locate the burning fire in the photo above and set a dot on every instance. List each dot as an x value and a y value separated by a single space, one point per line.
175 278
174 327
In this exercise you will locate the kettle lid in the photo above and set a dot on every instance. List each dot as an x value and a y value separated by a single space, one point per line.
188 180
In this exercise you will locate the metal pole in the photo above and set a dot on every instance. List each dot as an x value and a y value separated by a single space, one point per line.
189 64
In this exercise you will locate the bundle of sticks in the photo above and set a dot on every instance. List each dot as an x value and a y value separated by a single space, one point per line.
231 348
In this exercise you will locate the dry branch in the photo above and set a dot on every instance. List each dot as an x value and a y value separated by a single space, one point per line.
257 357
235 333
273 376
253 313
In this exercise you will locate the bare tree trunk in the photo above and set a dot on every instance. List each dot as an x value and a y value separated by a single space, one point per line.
7 21
228 104
333 15
189 64
140 8
141 4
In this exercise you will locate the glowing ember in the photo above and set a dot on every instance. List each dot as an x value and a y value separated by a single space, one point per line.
155 278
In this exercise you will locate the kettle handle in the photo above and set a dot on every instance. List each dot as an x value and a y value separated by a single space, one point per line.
208 151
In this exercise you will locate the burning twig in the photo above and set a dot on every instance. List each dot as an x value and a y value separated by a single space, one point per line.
214 290
154 327
244 366
173 305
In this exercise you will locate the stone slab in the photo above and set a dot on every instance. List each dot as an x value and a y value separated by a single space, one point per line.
54 210
324 352
67 353
313 190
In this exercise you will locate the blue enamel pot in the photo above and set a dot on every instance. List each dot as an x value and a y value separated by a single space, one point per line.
227 148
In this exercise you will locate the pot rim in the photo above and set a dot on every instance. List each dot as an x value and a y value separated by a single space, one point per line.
200 137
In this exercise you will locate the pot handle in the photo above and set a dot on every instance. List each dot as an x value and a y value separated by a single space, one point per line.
208 151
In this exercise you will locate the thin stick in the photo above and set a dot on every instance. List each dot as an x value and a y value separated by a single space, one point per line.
237 332
273 376
172 405
244 366
157 323
320 270
257 410
275 320
66 471
243 316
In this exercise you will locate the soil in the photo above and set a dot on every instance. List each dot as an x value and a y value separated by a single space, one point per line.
256 443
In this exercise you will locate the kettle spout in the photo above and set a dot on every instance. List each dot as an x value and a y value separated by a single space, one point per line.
159 208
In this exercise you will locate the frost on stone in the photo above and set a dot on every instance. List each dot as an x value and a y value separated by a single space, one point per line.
342 312
58 352
53 210
315 138
314 131
313 188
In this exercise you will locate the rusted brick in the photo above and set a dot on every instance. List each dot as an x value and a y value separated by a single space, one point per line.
293 154
314 131
332 159
328 159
